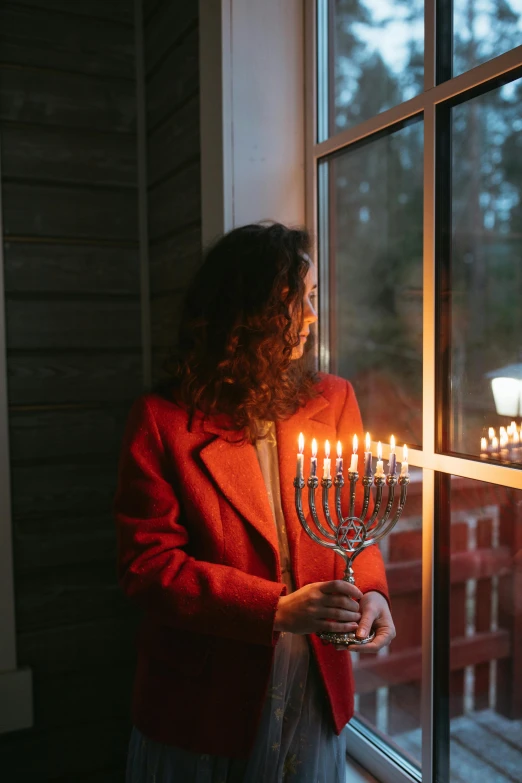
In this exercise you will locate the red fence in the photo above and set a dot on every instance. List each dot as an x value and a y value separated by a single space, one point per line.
485 610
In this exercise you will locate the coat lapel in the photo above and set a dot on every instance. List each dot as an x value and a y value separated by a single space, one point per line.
235 469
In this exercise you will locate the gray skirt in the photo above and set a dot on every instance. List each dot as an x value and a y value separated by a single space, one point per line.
295 739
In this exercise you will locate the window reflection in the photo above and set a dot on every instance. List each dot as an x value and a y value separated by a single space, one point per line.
483 30
486 631
389 684
486 274
376 280
378 54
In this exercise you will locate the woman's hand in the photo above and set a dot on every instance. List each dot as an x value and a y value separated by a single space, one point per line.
376 616
321 606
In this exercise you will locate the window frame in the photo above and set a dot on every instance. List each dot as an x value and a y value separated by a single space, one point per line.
379 758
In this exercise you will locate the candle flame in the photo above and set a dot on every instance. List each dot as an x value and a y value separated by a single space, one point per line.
300 441
368 441
491 433
314 448
392 443
339 449
494 443
379 450
405 453
513 426
483 444
327 449
504 440
502 432
516 437
355 444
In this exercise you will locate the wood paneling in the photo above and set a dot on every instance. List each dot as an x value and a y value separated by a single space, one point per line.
70 43
121 11
61 596
56 98
174 261
54 378
63 541
68 155
44 325
63 751
76 696
165 318
35 210
174 83
175 143
61 434
175 203
46 489
106 642
36 267
166 28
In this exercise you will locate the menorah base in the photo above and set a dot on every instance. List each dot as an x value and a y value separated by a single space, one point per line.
345 639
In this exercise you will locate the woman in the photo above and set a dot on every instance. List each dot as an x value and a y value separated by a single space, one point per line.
232 684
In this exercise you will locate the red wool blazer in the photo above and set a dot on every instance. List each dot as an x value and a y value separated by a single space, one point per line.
197 549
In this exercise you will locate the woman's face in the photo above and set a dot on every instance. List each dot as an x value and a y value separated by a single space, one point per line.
309 310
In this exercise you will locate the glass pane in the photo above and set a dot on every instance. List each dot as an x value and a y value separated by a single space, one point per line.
486 632
375 229
376 56
485 282
388 685
483 29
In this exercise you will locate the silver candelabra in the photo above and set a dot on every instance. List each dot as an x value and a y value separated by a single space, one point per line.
352 534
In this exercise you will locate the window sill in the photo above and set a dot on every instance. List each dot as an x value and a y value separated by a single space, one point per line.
356 774
16 700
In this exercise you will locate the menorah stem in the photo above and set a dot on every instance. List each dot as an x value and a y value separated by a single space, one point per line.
367 483
391 481
326 484
312 486
339 484
299 486
353 484
379 483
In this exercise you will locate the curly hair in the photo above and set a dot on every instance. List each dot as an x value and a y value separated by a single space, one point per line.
240 323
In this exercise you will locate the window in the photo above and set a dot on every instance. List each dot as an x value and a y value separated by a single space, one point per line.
414 190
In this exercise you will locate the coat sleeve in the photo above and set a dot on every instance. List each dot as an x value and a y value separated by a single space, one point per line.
368 567
153 567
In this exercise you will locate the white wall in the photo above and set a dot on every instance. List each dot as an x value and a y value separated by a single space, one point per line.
252 113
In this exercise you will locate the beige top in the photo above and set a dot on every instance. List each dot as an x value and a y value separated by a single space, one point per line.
268 461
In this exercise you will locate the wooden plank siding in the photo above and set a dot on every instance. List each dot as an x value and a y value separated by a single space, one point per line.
74 363
173 164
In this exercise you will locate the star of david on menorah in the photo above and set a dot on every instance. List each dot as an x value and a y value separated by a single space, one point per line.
351 535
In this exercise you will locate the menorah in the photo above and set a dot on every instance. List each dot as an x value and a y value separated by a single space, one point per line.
351 535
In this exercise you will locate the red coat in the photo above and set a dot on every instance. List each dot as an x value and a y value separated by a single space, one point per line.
198 551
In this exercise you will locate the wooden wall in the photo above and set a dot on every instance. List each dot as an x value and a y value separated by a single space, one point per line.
74 352
173 160
74 357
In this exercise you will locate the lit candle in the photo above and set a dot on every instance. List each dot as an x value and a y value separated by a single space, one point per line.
483 448
516 446
326 461
504 447
353 463
300 456
491 433
379 468
368 456
513 426
494 448
392 462
404 463
339 460
313 461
